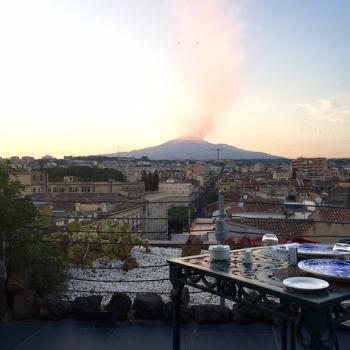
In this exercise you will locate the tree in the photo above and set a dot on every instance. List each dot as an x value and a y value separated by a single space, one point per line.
16 210
178 217
155 181
85 173
149 182
144 179
24 246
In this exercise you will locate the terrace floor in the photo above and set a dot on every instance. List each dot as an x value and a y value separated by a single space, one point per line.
70 334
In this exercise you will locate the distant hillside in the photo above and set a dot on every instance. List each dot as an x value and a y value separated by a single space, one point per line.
193 149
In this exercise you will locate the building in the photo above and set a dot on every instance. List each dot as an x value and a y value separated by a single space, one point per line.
179 193
166 174
155 217
282 174
33 181
258 167
310 167
71 185
37 182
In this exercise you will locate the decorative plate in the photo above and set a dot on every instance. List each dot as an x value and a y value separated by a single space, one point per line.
317 250
305 283
334 269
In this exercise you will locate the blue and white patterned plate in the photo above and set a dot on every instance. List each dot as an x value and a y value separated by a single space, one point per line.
316 249
327 268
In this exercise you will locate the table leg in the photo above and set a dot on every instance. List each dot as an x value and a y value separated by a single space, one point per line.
284 340
292 335
314 329
176 293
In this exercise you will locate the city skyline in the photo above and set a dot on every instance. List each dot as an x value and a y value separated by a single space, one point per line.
84 78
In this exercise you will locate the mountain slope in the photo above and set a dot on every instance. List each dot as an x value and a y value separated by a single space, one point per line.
193 149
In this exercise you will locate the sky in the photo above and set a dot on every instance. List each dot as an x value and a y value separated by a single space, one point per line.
80 77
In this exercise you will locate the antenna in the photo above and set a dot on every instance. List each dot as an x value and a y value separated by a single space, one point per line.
218 150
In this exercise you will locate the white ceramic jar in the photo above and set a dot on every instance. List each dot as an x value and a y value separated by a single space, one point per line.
270 239
219 252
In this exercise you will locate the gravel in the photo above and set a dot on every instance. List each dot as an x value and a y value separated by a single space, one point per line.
108 277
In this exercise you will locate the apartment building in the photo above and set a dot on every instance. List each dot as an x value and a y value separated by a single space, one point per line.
310 167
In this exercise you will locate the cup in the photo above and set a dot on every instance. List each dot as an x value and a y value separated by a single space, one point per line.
293 256
270 239
248 257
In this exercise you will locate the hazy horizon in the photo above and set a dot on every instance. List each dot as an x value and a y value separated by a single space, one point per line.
79 77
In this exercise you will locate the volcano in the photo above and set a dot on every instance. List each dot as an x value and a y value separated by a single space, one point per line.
193 148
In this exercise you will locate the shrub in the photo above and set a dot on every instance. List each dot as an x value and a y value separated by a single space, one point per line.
49 267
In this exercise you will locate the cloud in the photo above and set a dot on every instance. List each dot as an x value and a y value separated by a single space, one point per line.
260 103
326 109
208 57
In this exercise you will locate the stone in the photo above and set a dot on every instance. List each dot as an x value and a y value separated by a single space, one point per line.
192 247
3 276
266 316
120 304
168 313
211 314
3 299
3 272
8 316
24 304
244 314
86 308
129 264
19 280
53 308
148 306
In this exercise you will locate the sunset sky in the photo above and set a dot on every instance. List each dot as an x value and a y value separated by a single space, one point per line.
81 77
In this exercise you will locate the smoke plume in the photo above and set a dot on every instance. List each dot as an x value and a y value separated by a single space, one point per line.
208 57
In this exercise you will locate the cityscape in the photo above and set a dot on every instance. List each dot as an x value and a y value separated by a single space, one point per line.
174 174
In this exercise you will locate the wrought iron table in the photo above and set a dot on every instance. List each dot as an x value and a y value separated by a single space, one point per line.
310 318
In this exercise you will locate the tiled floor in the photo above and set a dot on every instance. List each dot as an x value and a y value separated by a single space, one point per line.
69 335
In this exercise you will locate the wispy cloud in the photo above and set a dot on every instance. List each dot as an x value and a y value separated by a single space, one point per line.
327 109
260 103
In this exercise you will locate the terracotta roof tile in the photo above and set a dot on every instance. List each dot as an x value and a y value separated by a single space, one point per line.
279 227
332 214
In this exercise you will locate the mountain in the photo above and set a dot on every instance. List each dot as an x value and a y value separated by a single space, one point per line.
189 148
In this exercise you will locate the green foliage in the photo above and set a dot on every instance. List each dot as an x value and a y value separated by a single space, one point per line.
89 246
49 267
16 210
45 217
17 214
178 217
180 213
74 226
85 173
129 264
213 196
